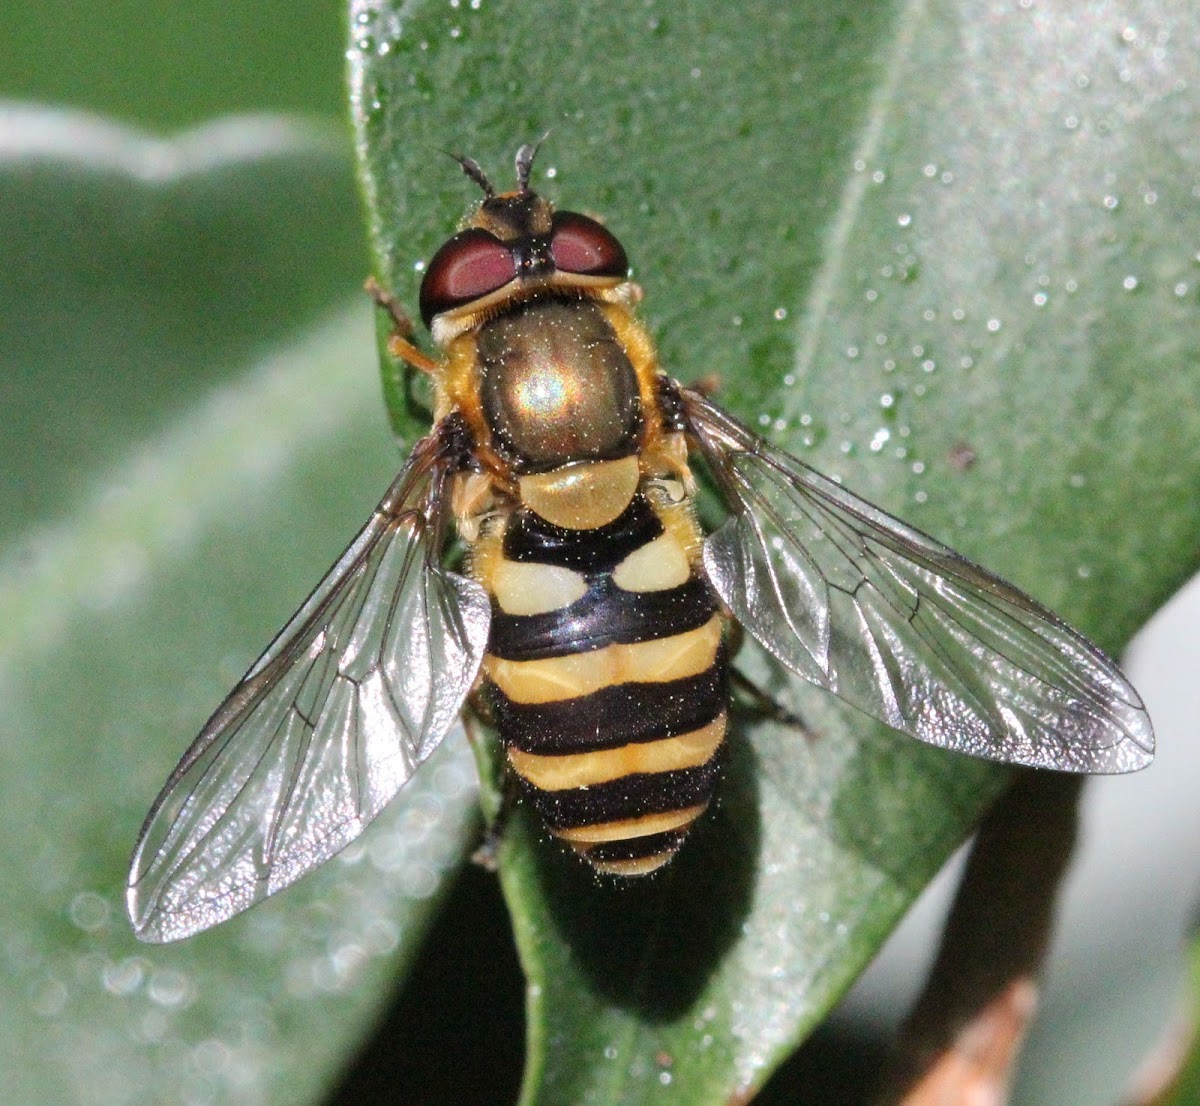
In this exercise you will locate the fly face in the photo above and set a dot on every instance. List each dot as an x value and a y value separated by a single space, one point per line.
514 246
593 612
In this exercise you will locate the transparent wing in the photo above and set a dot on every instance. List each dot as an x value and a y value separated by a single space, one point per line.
355 692
902 627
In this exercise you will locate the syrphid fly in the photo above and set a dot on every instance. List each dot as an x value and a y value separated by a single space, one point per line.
591 617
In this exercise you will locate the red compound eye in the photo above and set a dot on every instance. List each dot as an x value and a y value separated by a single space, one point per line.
581 245
469 266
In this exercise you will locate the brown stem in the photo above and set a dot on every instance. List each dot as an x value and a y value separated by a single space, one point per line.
963 1037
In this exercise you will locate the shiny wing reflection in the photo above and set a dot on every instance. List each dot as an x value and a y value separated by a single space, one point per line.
902 627
325 728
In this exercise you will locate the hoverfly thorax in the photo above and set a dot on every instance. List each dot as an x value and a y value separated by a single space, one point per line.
521 299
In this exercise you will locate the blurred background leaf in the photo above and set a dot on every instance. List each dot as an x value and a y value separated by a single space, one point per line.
191 438
167 66
192 419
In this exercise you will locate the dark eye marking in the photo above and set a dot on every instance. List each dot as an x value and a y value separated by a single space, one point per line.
469 266
581 245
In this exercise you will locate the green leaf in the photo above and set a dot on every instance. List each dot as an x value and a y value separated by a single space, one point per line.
945 252
169 65
192 432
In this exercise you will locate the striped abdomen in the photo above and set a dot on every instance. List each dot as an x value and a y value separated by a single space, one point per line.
607 678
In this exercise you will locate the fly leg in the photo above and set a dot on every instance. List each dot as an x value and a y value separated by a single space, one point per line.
752 700
707 385
400 343
402 348
757 703
487 854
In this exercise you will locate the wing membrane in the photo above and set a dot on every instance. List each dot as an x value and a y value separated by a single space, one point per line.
355 692
899 625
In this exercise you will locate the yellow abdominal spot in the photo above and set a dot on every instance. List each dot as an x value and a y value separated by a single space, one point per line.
656 566
553 678
524 589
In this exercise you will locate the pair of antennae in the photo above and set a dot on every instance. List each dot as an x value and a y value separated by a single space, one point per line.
524 163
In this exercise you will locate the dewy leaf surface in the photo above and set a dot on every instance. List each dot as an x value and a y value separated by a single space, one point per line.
191 434
943 252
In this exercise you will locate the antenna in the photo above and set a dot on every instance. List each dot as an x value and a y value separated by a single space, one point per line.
471 167
525 156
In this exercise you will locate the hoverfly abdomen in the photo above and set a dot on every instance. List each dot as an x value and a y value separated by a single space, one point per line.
606 675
